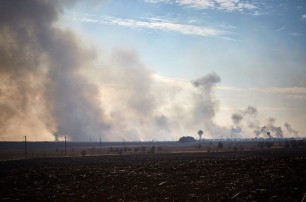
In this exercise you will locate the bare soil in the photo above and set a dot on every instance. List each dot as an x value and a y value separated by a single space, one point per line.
269 175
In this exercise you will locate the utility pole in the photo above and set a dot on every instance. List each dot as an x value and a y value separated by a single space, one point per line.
65 146
25 147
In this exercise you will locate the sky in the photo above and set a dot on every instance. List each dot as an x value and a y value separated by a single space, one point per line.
157 69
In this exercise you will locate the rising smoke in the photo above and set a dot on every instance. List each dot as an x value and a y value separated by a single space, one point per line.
247 120
206 105
41 66
45 89
290 130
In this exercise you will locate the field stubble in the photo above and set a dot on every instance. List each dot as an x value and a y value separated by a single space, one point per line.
270 175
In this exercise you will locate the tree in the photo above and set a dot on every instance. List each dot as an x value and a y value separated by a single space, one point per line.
186 139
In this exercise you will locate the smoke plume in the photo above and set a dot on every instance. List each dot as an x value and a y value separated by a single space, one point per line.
48 85
247 120
41 66
237 118
290 130
205 106
244 119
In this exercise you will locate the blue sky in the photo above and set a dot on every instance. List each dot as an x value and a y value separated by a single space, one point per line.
265 37
258 48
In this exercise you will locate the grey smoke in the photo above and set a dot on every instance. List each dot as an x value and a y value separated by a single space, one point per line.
260 131
43 85
276 130
247 120
137 81
250 110
205 106
237 118
290 130
43 64
207 82
162 122
133 103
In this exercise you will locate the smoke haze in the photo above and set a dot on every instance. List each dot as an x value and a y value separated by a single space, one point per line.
49 86
246 120
42 64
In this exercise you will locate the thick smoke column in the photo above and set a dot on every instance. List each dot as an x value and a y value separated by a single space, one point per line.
130 98
205 104
43 65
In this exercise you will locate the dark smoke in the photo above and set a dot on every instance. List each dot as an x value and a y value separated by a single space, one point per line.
43 64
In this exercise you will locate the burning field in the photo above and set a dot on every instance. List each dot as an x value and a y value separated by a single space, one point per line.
69 78
269 175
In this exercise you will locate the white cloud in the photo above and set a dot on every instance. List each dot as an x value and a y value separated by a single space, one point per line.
157 25
247 6
157 1
198 4
228 5
304 16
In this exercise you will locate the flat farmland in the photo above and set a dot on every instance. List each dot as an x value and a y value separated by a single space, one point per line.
267 175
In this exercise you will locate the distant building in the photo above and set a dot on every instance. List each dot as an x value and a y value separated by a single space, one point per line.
185 139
